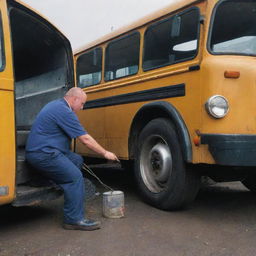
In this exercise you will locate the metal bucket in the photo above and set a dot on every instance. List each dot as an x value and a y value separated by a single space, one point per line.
113 204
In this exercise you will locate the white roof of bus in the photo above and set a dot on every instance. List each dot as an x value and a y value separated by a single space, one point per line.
157 14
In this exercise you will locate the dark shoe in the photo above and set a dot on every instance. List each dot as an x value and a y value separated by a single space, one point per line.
84 224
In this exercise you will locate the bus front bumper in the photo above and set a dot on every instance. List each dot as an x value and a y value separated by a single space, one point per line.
231 149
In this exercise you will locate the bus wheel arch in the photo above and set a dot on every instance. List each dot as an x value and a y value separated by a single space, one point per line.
155 110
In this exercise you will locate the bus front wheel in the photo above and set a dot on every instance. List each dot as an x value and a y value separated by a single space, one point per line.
160 172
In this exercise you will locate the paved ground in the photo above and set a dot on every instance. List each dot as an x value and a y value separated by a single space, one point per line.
222 222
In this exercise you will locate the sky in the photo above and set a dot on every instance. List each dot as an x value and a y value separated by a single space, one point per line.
83 21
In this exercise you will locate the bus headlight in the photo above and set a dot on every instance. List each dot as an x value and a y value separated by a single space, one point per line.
217 106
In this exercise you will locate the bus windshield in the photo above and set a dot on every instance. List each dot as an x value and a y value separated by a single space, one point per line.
234 28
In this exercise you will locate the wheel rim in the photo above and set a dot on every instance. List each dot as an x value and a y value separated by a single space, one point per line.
155 163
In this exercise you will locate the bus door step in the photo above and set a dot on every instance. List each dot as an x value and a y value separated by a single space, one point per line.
105 166
27 195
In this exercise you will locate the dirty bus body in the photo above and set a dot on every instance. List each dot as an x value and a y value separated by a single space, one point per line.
36 67
175 93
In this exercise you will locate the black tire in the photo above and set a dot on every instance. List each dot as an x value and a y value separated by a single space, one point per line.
250 182
160 172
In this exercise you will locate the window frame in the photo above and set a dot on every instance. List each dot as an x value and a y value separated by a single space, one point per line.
2 68
89 51
114 41
163 20
210 35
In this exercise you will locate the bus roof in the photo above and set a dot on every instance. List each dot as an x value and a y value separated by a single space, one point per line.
178 4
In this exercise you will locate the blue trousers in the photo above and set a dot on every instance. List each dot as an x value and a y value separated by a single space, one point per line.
64 170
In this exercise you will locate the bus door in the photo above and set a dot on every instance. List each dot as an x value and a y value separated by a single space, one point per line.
36 67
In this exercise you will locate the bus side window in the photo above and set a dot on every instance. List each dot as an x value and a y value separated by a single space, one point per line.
89 67
2 56
122 57
171 40
184 46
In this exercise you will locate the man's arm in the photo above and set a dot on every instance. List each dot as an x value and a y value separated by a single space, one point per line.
92 144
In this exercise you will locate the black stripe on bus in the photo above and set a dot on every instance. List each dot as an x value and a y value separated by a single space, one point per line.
146 95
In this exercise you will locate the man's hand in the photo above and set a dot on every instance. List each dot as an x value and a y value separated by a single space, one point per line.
111 156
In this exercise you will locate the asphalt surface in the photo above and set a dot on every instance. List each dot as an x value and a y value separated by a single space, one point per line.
221 222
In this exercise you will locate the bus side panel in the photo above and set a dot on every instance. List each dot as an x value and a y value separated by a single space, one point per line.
119 118
7 149
93 121
116 102
7 120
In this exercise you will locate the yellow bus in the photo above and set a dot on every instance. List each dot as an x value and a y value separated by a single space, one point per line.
36 66
175 93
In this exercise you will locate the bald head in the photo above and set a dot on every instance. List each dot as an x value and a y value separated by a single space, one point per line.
76 98
75 91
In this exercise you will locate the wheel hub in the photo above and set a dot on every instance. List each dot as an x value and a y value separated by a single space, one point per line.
161 162
155 163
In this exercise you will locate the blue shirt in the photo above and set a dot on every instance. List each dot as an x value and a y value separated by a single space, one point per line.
54 127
